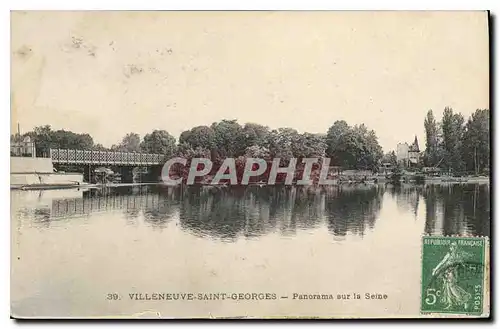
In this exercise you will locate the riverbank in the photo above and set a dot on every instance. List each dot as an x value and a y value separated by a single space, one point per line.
74 186
45 186
121 185
368 182
453 180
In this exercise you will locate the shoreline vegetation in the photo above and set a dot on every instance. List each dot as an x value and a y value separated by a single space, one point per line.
455 151
354 184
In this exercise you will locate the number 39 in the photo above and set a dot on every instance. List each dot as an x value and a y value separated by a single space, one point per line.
112 297
431 296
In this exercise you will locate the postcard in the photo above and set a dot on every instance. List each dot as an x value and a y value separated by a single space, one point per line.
250 164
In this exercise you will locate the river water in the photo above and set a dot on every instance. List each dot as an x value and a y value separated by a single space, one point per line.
105 252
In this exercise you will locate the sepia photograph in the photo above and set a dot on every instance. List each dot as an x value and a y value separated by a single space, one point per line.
250 164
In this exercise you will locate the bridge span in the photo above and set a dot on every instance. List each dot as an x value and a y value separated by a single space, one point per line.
120 162
105 158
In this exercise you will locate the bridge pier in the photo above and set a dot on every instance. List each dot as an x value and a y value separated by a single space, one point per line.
154 174
127 174
88 174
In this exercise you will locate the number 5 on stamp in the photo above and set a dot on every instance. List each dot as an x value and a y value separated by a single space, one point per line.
453 273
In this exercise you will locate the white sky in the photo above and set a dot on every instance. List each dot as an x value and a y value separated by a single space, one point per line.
140 71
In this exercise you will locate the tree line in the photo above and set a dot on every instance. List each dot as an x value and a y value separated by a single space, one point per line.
451 144
458 146
158 141
348 146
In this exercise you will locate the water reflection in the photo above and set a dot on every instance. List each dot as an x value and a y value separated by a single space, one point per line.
407 198
228 214
353 210
457 209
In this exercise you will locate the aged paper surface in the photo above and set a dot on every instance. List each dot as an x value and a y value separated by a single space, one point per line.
398 102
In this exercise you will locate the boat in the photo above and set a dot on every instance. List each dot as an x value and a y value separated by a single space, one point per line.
45 186
454 179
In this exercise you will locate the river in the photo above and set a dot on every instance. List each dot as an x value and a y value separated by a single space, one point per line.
105 252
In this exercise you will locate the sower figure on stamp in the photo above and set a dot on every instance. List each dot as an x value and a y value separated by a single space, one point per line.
446 270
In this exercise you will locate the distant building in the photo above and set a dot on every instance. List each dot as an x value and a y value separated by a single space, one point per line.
414 153
402 152
22 148
386 168
408 155
432 170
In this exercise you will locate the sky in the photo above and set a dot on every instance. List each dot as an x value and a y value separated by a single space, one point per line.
111 73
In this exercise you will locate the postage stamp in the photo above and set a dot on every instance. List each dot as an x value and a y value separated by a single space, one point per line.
453 275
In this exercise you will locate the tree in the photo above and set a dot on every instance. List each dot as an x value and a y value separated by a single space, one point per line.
337 138
229 138
42 136
281 143
309 145
45 138
131 142
255 134
476 142
184 150
184 137
70 140
453 129
353 147
100 147
200 136
390 157
256 151
368 151
159 142
431 140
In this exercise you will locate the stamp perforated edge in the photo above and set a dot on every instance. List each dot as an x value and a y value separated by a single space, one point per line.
486 279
